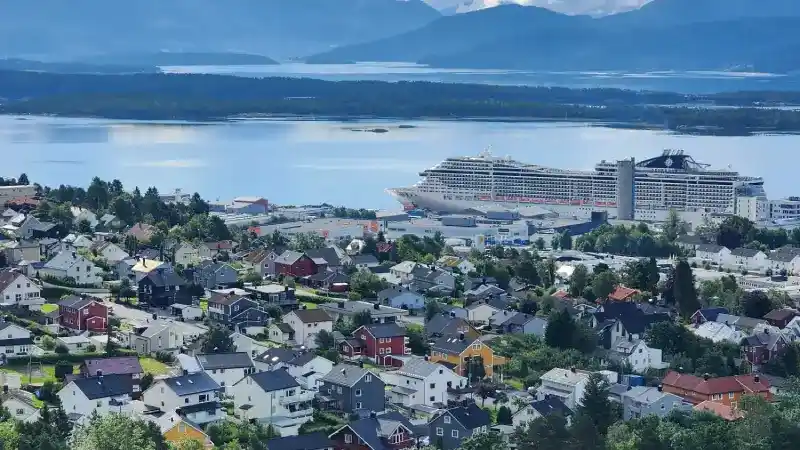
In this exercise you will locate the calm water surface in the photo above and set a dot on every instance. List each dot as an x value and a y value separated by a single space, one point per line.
310 162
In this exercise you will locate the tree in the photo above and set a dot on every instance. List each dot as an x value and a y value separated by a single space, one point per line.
84 226
362 318
756 304
735 232
111 345
484 391
367 284
324 340
188 444
560 330
674 226
504 416
683 290
539 243
604 284
565 240
595 403
61 349
23 179
432 309
578 281
218 340
310 240
113 432
146 381
485 441
555 242
543 433
475 369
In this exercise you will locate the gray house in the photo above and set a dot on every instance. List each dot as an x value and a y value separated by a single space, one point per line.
643 401
448 428
352 389
399 297
215 275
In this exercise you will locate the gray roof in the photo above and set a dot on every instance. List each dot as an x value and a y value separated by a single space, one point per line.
347 375
365 259
7 277
355 307
285 355
212 361
288 257
328 254
119 365
73 301
385 330
371 430
644 394
691 239
284 327
105 386
452 344
193 383
274 380
165 277
396 291
745 252
471 416
312 315
313 441
709 248
418 367
785 254
551 405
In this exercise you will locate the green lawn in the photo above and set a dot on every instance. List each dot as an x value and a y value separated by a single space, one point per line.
150 365
47 308
204 305
47 372
309 305
515 383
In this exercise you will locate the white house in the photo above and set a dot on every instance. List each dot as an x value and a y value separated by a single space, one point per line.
307 323
541 408
421 382
639 355
102 394
786 258
18 251
719 332
712 253
480 312
306 367
75 344
275 398
747 259
17 289
281 333
403 271
21 405
14 340
155 336
194 395
77 241
244 343
567 385
109 251
226 368
187 253
69 264
81 214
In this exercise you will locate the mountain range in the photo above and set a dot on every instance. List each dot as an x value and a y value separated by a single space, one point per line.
584 7
661 35
276 28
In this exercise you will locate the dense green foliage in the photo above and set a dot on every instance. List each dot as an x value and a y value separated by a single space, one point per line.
636 240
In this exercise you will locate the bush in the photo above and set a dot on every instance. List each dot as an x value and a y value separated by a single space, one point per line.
91 348
62 369
48 343
62 349
165 357
54 293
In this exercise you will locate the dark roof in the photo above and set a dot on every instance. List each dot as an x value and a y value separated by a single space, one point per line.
105 386
384 330
211 406
551 405
372 430
73 301
365 259
347 375
313 441
121 365
691 239
274 380
633 319
193 383
16 341
709 248
444 324
285 355
328 254
225 299
212 361
711 314
780 314
149 253
452 344
165 277
330 277
284 327
380 269
392 292
471 416
312 315
785 254
744 252
7 277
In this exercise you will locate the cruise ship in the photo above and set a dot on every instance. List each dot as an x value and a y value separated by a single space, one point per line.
670 181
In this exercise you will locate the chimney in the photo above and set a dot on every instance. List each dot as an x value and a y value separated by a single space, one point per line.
5 389
341 305
706 376
185 372
660 387
756 378
573 370
461 336
372 414
99 373
377 306
74 255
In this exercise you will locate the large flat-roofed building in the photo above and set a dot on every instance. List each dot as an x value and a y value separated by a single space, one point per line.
8 193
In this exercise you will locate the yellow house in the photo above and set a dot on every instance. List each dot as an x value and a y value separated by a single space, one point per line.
176 429
457 351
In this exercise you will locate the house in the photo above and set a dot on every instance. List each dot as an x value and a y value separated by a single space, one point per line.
143 232
637 355
328 280
75 241
22 405
187 253
81 214
103 394
335 258
421 382
403 298
75 344
69 264
725 390
615 320
35 229
785 259
83 314
484 292
641 401
274 398
298 265
719 332
712 253
763 346
306 367
690 242
623 294
226 369
22 250
14 340
365 262
263 261
194 396
449 263
109 251
187 312
307 323
155 336
431 279
447 325
726 412
143 267
282 333
403 271
780 317
274 295
541 408
110 221
704 315
747 258
481 312
377 341
568 385
386 431
163 287
352 389
349 309
215 275
235 310
740 323
520 323
49 247
459 352
218 247
18 290
312 441
451 426
454 311
177 429
119 365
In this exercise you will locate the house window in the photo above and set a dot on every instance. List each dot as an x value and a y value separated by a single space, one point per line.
446 419
432 398
20 412
359 405
348 438
476 346
182 427
439 431
368 378
338 389
716 397
99 403
433 385
730 395
186 400
358 392
454 433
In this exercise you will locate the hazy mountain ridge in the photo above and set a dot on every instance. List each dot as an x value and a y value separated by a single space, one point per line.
572 7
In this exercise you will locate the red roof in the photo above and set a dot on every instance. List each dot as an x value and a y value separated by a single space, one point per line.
721 385
622 293
561 294
726 412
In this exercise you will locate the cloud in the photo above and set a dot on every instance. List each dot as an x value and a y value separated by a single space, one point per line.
172 164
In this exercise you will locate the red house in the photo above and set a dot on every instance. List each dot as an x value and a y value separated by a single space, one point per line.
623 294
378 341
297 264
82 314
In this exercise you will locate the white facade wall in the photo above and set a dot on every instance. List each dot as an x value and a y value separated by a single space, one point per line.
22 291
273 407
305 333
75 401
227 377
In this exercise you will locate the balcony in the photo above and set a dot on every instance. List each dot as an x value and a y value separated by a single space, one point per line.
304 396
300 413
